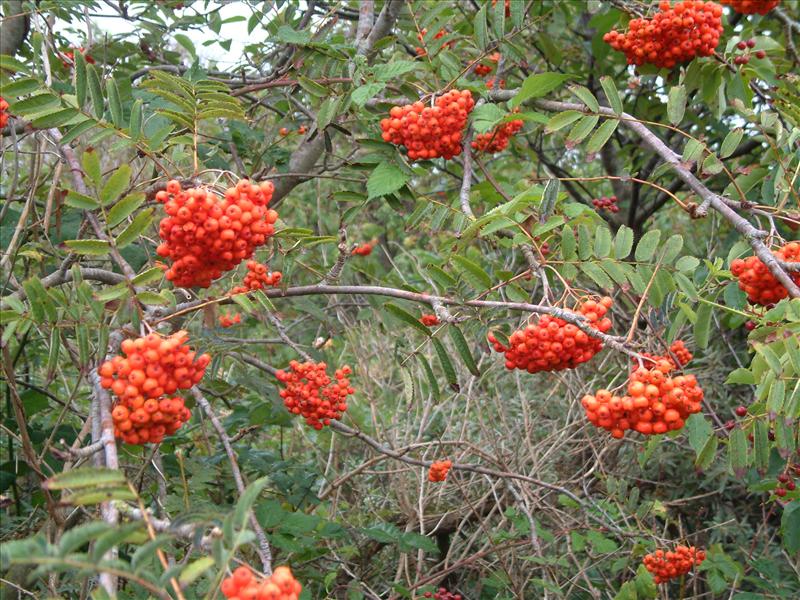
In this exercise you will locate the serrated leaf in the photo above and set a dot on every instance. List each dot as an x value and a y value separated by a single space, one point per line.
89 247
35 104
582 128
712 165
672 247
184 41
647 245
601 136
80 78
77 200
55 119
116 184
84 477
538 85
612 94
687 264
194 570
741 376
463 349
148 549
20 87
407 318
676 104
95 91
472 272
602 242
568 244
362 93
549 197
790 527
585 96
137 226
80 535
444 361
623 242
148 276
97 496
122 209
562 119
114 102
385 179
77 130
702 326
246 501
481 34
731 142
440 276
135 126
737 451
597 275
90 161
584 242
432 383
151 298
708 453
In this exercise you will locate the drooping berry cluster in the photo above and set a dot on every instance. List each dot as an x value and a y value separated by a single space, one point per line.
258 277
442 594
309 392
430 131
672 36
429 320
608 203
205 234
228 320
656 402
677 349
751 7
362 249
3 113
756 280
481 69
438 470
421 37
153 367
552 344
671 565
245 585
497 139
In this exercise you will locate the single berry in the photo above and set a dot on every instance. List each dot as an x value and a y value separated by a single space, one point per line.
741 411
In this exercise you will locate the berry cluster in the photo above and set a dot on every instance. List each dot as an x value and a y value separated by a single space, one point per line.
244 585
552 344
442 594
362 249
439 469
3 113
421 37
678 349
490 84
674 35
258 277
228 320
657 402
608 203
432 131
284 131
785 483
497 139
429 320
205 234
751 7
671 565
68 57
153 366
746 46
756 280
482 70
310 393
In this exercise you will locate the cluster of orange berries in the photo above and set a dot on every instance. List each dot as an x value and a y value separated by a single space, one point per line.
244 585
228 320
430 131
438 470
677 349
490 84
258 277
482 70
497 139
153 367
756 280
69 57
3 112
608 203
362 249
674 35
442 594
309 392
421 37
657 402
284 131
751 7
429 320
205 234
671 565
552 344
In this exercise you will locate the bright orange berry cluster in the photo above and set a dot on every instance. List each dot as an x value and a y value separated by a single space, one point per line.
442 594
3 113
657 402
258 277
497 139
672 36
490 84
362 250
429 320
438 470
440 34
153 366
678 349
205 234
69 57
309 392
552 344
228 320
245 585
671 565
481 70
756 280
751 7
430 131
